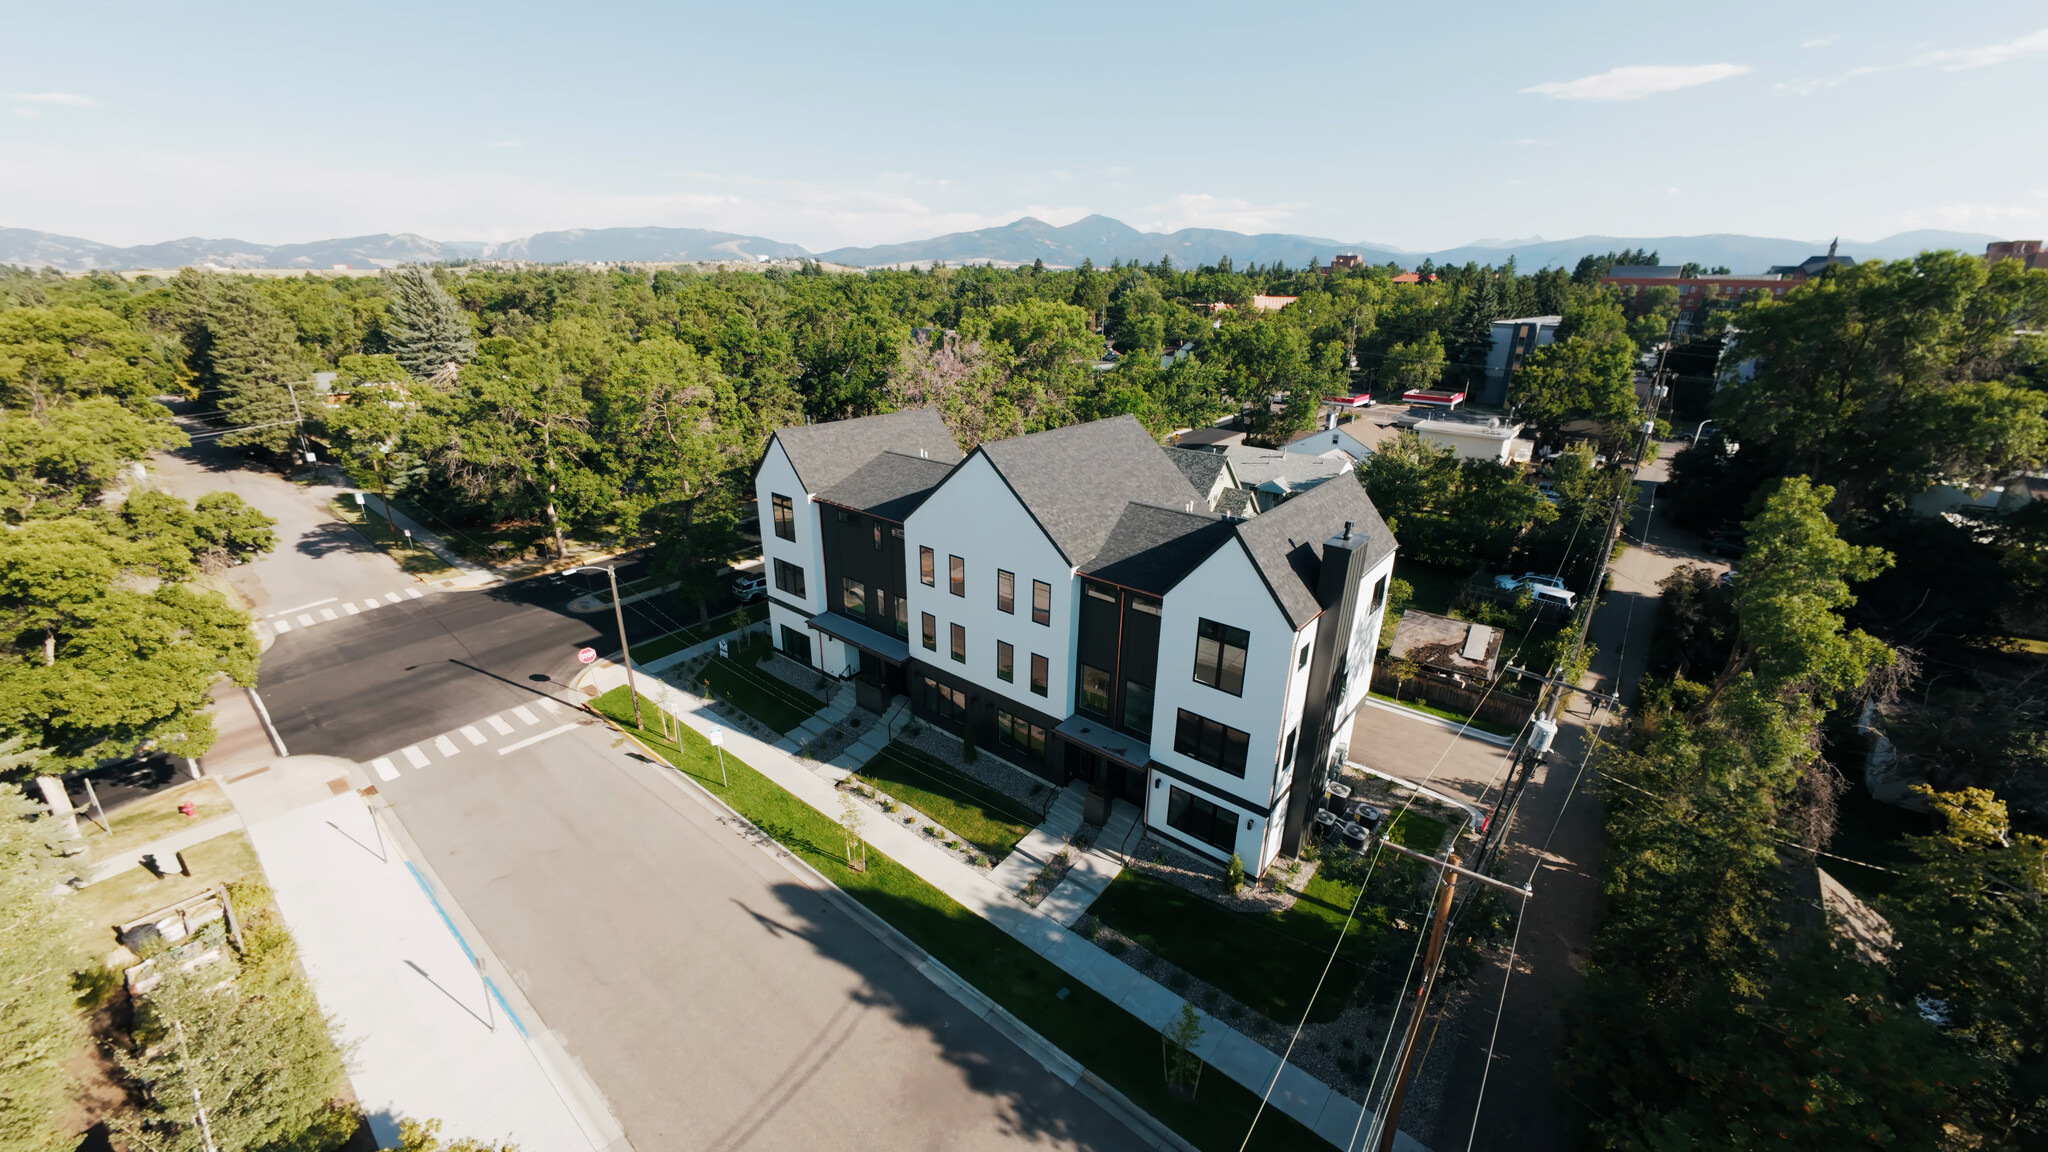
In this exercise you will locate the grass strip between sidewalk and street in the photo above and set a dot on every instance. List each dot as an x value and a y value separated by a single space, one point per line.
1116 1046
415 559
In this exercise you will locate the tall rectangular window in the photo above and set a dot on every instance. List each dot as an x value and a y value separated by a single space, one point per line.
1094 691
1137 707
1219 656
931 632
853 597
1379 594
1217 745
1021 734
785 517
1287 750
960 643
956 575
1006 591
902 618
1210 823
1006 661
924 566
1040 673
1301 659
789 578
1041 602
878 537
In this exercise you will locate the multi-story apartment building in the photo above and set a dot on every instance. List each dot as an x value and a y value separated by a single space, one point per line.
1068 599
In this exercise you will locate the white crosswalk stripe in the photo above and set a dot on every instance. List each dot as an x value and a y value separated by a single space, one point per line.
446 746
351 608
412 593
282 622
327 613
305 619
282 627
391 596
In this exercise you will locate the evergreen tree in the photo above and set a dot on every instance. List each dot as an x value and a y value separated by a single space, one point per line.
253 362
425 328
37 1025
1470 339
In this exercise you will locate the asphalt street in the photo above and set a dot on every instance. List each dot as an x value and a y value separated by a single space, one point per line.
718 1002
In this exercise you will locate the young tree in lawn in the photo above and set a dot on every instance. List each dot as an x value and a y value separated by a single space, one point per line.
39 1028
424 327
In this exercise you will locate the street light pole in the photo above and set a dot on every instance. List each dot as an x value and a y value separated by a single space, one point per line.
625 649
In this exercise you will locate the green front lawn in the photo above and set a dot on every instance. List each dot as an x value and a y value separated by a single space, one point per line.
413 558
972 811
755 692
645 651
1271 962
1115 1045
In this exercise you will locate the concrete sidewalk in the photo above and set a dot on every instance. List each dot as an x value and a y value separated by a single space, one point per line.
471 575
431 1038
1294 1092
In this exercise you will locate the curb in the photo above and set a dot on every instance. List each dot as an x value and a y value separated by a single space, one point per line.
1149 1129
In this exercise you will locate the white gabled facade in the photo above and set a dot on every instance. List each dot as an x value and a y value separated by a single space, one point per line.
974 515
777 477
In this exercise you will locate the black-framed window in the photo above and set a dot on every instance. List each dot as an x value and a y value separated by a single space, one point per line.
1019 733
848 516
1208 822
1218 745
878 537
796 645
1094 691
1006 591
1287 749
853 597
1041 603
1379 594
785 517
789 578
1149 605
956 576
1301 658
946 701
931 632
924 565
1137 707
902 618
1041 672
1006 661
959 643
1219 656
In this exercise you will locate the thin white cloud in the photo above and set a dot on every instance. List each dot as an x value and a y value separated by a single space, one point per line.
1636 81
1201 210
1956 59
67 99
1821 41
1998 218
1809 87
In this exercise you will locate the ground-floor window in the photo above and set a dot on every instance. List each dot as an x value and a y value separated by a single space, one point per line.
796 645
1021 734
948 703
1210 823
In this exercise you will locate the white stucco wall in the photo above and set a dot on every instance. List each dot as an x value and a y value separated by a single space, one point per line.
975 516
777 477
1362 652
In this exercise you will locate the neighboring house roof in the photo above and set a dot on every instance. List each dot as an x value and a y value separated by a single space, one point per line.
825 454
1256 466
1286 543
1236 502
1200 437
1076 480
890 486
1645 271
1202 469
1494 431
1151 548
1441 642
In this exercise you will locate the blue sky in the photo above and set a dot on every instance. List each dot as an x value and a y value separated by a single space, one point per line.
1421 124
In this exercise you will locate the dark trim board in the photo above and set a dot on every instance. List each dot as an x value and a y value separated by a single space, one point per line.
1205 851
803 613
1264 811
981 709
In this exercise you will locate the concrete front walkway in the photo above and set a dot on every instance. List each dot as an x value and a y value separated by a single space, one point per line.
1295 1092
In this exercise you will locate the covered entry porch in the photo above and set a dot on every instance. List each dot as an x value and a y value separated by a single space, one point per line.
1111 763
877 671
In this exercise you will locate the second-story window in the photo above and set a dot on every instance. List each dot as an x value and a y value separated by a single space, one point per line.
878 537
1094 691
924 566
1137 707
785 517
902 618
956 576
1040 673
789 578
1006 661
960 643
1379 594
1041 602
1219 656
1218 745
1006 591
931 632
853 597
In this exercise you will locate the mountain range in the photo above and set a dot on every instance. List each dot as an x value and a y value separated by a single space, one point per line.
1097 238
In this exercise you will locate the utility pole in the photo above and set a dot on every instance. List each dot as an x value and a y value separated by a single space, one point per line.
1390 1118
619 616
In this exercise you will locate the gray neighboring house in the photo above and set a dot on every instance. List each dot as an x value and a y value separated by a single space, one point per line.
1513 340
1269 475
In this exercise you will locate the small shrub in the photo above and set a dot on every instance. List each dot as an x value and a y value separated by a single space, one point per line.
967 749
1089 928
1116 946
954 844
930 831
94 986
1179 981
1233 876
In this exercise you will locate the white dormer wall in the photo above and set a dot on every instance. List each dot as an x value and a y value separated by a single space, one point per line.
777 477
975 515
1228 589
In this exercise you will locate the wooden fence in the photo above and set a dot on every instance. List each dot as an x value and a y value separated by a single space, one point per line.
1496 707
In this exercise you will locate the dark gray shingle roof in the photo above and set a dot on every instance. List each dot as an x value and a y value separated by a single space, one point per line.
1151 548
825 454
890 486
1201 468
1076 480
1236 502
1286 542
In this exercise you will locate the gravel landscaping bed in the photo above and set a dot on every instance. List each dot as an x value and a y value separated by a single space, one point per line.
886 807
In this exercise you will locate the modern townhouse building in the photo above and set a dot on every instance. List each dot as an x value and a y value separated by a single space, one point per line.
1070 601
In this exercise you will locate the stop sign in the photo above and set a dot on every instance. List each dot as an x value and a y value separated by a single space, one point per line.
585 655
